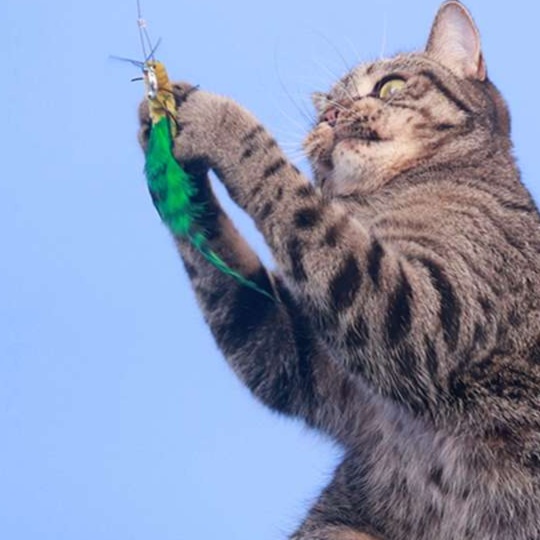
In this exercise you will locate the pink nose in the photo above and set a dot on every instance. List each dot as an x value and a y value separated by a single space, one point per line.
331 116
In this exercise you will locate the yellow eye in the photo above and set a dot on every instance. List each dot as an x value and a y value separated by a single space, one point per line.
391 87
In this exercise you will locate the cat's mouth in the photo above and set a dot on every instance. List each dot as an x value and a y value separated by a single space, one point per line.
356 130
349 143
368 135
366 138
364 134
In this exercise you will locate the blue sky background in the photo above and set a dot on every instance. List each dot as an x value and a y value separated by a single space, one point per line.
119 419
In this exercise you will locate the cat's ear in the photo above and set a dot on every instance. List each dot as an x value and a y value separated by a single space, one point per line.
455 42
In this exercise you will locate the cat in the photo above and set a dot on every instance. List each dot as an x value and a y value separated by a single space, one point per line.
406 315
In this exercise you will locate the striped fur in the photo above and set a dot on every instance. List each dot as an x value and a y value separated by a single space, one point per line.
408 326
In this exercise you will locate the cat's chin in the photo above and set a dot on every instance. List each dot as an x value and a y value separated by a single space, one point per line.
336 186
344 179
366 165
355 166
356 151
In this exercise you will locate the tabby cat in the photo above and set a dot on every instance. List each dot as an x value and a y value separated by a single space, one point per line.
406 319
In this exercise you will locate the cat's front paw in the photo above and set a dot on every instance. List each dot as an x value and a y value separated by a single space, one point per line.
181 92
199 117
194 123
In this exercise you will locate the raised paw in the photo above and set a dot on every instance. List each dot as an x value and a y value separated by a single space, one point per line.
181 91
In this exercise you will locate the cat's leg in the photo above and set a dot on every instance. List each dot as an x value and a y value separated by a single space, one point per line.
269 343
360 290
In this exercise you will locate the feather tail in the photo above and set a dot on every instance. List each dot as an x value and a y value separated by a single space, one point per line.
172 192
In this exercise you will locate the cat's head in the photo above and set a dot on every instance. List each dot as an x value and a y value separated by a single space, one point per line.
394 115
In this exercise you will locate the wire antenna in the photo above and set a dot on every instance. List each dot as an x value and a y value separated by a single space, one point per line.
137 63
153 51
384 36
146 42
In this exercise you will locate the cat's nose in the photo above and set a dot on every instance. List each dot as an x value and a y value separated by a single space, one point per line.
330 116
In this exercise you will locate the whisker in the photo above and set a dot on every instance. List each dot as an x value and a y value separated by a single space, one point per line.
306 117
329 71
291 146
338 105
340 84
300 106
293 141
295 154
354 50
287 93
384 36
347 65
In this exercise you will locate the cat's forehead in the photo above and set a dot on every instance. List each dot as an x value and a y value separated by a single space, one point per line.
362 79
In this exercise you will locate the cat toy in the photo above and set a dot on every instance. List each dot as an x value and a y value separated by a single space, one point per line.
171 188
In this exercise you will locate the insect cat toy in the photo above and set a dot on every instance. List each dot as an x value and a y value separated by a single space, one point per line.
406 324
172 190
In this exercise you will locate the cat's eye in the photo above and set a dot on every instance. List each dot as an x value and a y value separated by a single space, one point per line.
390 87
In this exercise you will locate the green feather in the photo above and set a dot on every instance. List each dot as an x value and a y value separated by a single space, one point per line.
172 191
